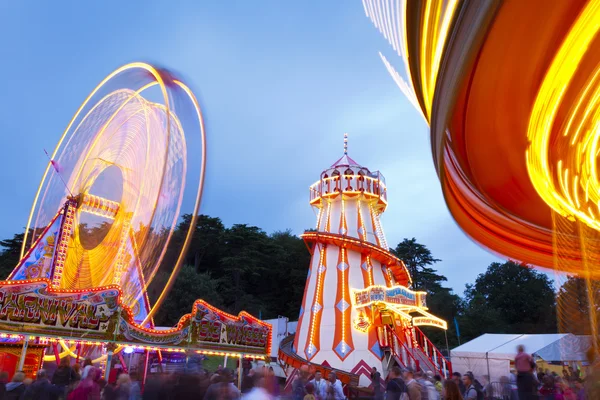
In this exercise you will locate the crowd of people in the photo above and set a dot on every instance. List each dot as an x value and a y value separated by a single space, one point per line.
86 382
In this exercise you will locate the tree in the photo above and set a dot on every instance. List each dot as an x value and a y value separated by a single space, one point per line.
245 264
509 298
572 305
417 258
441 301
189 286
10 254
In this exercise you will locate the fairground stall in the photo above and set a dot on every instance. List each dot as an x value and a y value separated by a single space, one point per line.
38 319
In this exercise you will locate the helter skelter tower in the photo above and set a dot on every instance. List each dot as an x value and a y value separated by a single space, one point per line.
356 311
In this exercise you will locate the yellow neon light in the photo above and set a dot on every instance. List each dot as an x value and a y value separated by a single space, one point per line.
320 277
429 320
578 191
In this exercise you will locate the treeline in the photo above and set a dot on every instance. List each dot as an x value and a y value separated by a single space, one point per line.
243 267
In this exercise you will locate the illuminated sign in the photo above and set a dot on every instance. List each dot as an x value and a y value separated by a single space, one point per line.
398 295
35 307
215 326
430 321
31 306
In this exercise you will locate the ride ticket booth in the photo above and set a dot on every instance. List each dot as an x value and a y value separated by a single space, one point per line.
10 357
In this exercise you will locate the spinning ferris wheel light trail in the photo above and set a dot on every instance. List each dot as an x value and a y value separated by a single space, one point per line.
124 169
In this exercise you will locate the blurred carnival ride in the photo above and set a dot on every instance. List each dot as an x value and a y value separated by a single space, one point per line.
130 160
510 91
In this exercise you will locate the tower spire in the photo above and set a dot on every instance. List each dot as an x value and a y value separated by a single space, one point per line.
345 143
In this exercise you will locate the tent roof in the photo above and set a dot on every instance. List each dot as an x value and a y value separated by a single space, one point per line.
485 343
569 348
505 345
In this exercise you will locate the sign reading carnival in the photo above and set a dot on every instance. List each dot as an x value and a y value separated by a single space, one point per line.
399 295
34 307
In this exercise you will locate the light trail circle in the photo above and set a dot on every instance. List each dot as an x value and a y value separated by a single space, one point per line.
133 142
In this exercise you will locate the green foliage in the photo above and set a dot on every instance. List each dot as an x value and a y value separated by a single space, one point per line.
572 305
241 268
509 298
442 302
418 258
9 256
189 286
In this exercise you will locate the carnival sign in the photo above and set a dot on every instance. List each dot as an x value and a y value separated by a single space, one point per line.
398 295
242 333
34 307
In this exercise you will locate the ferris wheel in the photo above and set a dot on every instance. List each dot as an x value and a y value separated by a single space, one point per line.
130 161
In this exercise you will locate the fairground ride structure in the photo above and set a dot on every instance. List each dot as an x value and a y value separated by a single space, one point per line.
510 90
357 311
131 159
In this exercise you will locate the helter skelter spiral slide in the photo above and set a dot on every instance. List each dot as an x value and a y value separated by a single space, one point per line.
130 161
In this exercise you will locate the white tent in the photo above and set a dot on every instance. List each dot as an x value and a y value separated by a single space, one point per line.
491 354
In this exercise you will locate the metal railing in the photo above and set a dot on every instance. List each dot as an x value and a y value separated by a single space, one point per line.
442 365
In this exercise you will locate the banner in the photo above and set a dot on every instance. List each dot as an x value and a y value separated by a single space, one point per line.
430 321
33 307
398 295
243 333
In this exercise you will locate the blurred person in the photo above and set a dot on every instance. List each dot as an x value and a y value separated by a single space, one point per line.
524 365
3 382
580 389
64 376
574 373
42 389
259 390
123 387
271 382
76 372
135 392
565 389
320 386
471 392
248 381
512 377
187 387
88 388
310 390
16 388
299 384
427 388
87 364
223 388
549 390
154 386
451 390
413 387
488 388
334 389
395 386
457 377
376 382
439 386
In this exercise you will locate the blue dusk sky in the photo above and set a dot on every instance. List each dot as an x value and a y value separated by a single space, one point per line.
279 83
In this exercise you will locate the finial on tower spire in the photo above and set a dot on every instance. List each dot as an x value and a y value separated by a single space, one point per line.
345 143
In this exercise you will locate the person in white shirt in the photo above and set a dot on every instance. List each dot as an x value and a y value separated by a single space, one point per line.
259 391
334 389
320 385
